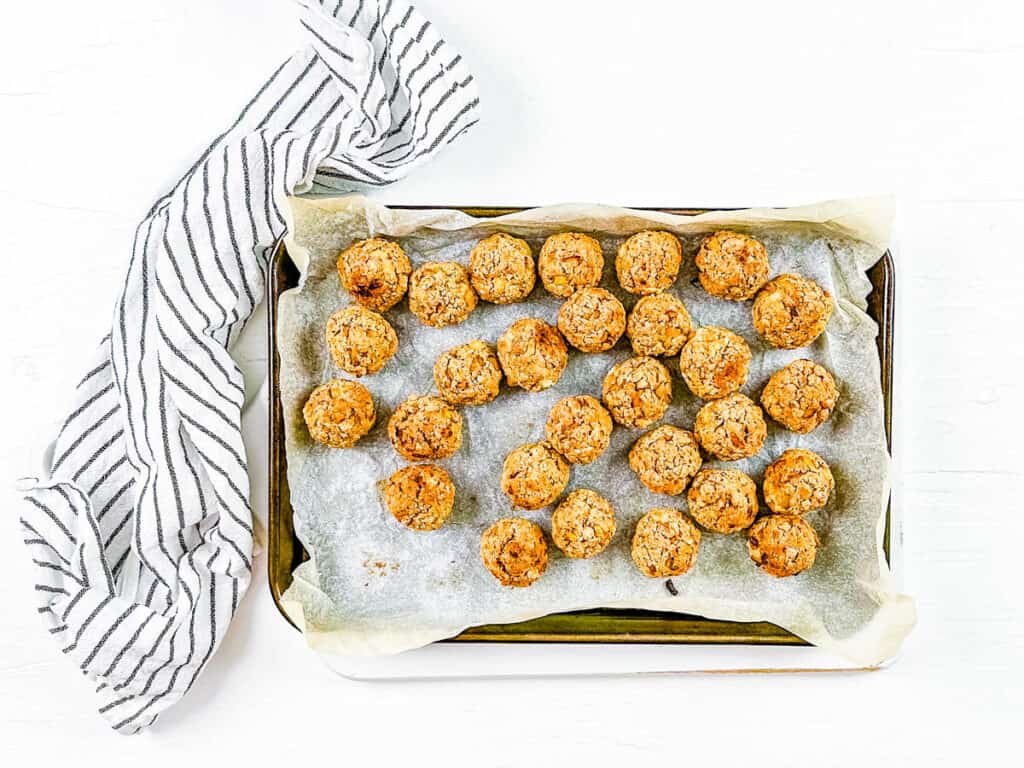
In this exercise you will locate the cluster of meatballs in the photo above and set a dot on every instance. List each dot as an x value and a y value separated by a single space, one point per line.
789 311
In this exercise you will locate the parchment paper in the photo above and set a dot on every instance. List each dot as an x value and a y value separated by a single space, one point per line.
374 587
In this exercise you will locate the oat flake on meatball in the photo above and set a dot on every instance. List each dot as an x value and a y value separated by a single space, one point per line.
592 320
791 311
514 551
425 428
797 482
583 524
665 459
360 340
420 497
714 363
376 272
440 294
659 325
782 545
648 262
468 374
501 269
339 413
800 396
666 543
579 428
722 500
637 391
732 266
569 261
532 354
731 428
534 475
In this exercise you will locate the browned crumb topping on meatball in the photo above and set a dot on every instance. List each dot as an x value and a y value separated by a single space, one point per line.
360 340
339 412
648 262
800 396
440 294
532 354
782 545
637 391
731 428
468 374
579 428
583 524
659 325
423 428
569 261
534 475
514 551
420 497
501 269
666 543
376 272
714 363
791 311
732 266
592 320
723 500
665 459
797 482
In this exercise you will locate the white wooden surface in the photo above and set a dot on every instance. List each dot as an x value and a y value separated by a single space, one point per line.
103 104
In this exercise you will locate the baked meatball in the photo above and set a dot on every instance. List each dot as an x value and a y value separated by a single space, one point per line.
534 475
360 340
732 266
731 428
791 311
637 391
424 428
583 524
722 500
420 497
659 325
579 428
532 354
648 262
665 459
569 261
514 551
339 412
468 374
714 363
800 396
440 294
592 320
376 272
797 482
665 543
501 269
782 545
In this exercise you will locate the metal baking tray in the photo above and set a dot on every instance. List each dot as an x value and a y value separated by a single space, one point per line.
602 625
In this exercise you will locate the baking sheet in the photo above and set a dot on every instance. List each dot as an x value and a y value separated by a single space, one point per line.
373 587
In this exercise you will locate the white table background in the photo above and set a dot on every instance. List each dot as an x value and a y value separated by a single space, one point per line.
103 104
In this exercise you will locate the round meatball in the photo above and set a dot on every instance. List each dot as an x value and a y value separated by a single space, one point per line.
501 269
782 545
440 294
791 311
583 524
424 428
665 543
648 262
723 500
797 482
665 459
339 412
800 396
659 325
714 363
731 428
360 340
514 551
637 391
376 272
420 497
468 374
534 475
592 320
732 266
569 261
532 354
579 428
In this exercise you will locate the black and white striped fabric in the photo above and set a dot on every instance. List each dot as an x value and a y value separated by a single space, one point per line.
142 535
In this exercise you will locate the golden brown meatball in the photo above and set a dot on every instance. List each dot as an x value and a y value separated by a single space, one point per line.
782 545
534 475
514 551
423 428
583 524
666 543
420 497
376 272
360 340
532 354
714 363
579 428
648 262
800 396
468 374
791 311
440 294
569 261
592 320
665 459
731 428
501 269
659 325
732 266
637 391
339 412
797 482
723 500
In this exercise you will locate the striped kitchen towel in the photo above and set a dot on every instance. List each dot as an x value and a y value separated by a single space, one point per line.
142 534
